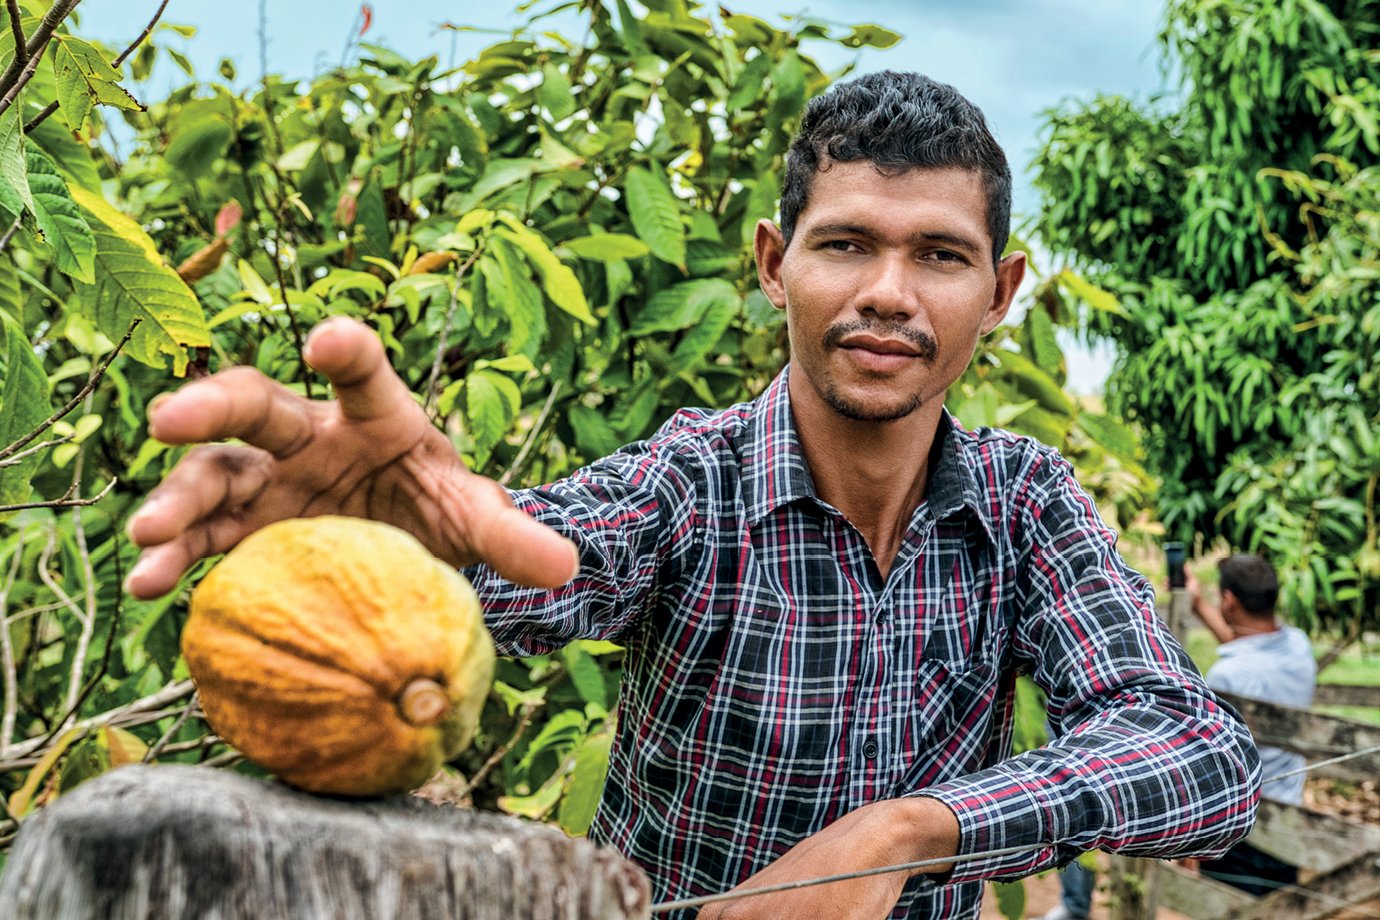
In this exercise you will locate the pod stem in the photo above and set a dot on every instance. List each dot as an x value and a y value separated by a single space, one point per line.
423 702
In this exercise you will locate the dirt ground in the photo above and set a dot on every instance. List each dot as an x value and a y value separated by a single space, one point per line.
1042 893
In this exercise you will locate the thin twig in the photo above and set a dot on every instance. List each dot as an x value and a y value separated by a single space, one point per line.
33 449
524 720
11 669
9 233
75 401
445 326
136 712
152 753
65 501
521 459
143 36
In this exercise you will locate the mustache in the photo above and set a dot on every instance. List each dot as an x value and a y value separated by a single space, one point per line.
924 343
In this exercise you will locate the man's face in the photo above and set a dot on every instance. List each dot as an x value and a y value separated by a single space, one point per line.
887 284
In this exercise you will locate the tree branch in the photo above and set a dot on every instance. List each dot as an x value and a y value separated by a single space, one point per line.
18 74
75 401
65 502
21 53
139 712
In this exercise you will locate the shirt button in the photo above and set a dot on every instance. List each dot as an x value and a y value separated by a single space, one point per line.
869 749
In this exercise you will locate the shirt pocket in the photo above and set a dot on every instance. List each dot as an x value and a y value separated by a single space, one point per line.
953 721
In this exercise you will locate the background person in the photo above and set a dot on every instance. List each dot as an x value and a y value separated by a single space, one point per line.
1262 659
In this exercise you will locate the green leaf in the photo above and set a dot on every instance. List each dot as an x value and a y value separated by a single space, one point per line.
1044 347
606 247
1110 434
586 783
197 144
871 35
1010 899
557 279
85 79
555 92
682 305
489 408
133 283
24 404
585 674
1094 296
703 335
72 157
371 216
15 195
593 434
60 220
655 215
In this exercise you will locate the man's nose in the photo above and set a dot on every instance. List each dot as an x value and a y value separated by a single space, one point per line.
892 289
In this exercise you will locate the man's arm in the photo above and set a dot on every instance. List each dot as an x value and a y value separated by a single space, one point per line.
877 835
371 452
1210 615
1146 760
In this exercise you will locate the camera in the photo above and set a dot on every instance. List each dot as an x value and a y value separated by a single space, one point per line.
1174 555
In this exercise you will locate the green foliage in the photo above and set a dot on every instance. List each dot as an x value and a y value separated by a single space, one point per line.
552 241
1238 233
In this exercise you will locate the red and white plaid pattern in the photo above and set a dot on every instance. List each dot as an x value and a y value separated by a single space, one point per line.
774 681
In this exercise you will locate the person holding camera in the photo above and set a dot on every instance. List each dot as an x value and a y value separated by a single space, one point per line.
1263 659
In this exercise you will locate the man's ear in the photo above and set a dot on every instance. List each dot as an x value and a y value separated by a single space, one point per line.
1010 273
769 246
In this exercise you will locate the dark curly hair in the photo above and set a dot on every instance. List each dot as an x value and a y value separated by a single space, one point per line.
897 122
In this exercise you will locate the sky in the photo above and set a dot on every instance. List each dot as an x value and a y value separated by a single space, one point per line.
1013 58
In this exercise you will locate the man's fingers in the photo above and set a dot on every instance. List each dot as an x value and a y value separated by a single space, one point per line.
511 542
236 403
352 357
159 567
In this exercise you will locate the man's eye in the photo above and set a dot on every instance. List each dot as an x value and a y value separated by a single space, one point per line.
840 245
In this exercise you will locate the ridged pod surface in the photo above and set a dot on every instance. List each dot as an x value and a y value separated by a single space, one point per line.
340 655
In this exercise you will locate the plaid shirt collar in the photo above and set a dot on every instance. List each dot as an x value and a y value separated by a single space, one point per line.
775 474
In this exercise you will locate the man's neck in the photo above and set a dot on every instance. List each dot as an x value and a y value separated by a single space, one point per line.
1257 627
874 473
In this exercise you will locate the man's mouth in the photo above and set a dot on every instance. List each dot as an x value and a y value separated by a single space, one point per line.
880 345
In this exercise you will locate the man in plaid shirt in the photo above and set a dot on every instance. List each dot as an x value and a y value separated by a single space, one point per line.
826 593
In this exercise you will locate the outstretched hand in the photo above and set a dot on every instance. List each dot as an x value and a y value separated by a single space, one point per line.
371 452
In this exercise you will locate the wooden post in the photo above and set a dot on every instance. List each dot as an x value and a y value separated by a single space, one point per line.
1133 888
165 842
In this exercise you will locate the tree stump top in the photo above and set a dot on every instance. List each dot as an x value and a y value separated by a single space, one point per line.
195 843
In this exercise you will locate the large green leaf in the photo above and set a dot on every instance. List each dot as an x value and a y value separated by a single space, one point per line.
15 195
682 305
655 215
60 220
85 79
73 158
703 335
607 247
197 144
557 279
586 784
133 283
1044 347
593 434
1110 434
24 404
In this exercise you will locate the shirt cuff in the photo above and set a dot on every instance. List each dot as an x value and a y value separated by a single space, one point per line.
996 813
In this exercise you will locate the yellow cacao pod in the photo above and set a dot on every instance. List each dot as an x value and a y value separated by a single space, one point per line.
340 655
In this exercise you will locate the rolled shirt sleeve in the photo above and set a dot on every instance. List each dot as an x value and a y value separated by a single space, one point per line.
1146 760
